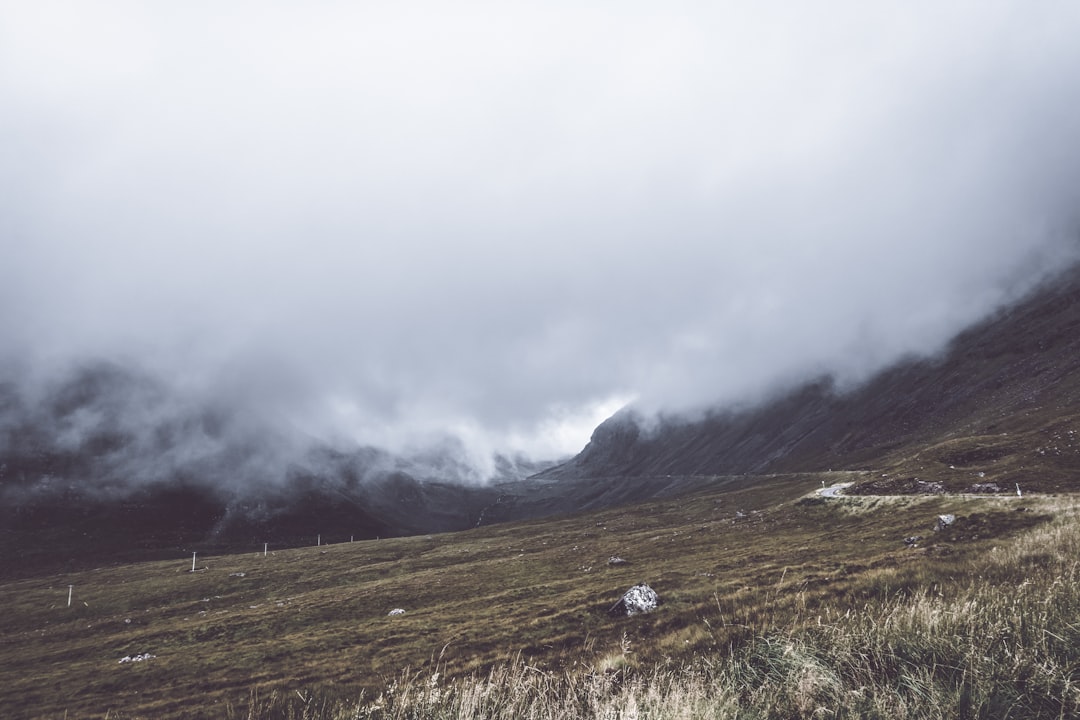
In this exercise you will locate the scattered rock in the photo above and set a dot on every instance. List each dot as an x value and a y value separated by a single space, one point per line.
913 540
137 658
237 574
616 560
897 486
637 600
983 488
396 611
944 521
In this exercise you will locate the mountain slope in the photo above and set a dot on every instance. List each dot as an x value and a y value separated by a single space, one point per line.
1003 397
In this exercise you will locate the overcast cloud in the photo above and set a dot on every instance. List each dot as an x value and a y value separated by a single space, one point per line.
385 222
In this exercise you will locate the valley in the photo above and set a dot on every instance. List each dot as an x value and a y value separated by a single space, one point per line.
775 601
729 566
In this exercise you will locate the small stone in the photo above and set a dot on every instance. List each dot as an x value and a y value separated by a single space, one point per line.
944 521
396 611
137 658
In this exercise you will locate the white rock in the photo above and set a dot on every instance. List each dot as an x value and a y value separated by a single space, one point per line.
944 521
635 601
396 611
137 658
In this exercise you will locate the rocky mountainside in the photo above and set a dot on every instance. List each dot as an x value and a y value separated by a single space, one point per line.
1002 403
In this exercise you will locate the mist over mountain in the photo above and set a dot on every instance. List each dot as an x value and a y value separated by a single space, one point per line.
1001 403
400 227
110 460
1000 406
103 426
363 270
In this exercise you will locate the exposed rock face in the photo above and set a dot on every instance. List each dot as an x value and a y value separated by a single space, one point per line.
637 600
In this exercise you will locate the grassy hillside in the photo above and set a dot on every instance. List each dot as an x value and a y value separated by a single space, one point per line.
731 567
981 647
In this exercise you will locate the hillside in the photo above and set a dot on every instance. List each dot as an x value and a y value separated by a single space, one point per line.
1002 400
729 565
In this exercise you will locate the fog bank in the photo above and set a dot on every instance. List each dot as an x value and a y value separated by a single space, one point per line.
490 226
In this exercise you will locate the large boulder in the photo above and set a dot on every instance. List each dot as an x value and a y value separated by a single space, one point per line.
637 600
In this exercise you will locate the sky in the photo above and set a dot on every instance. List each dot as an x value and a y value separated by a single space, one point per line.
392 223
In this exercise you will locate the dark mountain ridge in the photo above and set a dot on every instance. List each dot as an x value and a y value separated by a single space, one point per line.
998 395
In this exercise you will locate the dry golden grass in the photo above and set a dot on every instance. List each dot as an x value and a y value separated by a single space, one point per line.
755 586
980 647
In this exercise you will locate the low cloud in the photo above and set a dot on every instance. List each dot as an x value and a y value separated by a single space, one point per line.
495 224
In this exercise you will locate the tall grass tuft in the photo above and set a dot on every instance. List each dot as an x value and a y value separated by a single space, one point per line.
1003 641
